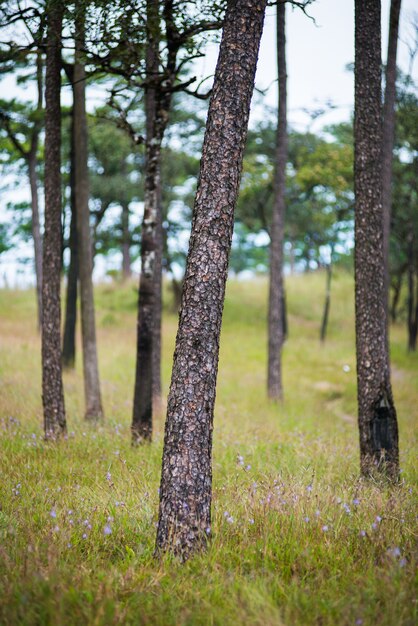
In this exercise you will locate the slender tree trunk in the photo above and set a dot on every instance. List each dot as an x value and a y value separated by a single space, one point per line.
292 256
276 295
325 316
396 295
415 326
376 410
126 242
388 136
52 388
156 348
36 230
412 297
186 480
69 343
93 400
156 119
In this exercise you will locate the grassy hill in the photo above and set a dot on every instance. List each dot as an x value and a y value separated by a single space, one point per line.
298 538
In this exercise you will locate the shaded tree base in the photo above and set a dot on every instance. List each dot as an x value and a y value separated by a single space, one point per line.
380 466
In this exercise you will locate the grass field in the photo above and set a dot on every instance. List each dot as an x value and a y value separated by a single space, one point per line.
298 538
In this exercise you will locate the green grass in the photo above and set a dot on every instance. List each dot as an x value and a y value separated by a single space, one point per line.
285 550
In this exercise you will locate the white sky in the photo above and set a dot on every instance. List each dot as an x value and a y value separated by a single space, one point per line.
317 56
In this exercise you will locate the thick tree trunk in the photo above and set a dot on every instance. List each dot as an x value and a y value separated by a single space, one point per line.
388 136
36 230
93 401
126 242
69 343
156 120
276 295
376 410
186 480
52 388
325 316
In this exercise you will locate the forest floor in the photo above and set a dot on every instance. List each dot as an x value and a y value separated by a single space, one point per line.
297 537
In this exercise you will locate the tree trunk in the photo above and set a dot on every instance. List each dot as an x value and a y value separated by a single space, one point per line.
388 136
327 304
276 295
396 295
292 257
69 343
413 341
376 410
93 401
156 120
52 388
126 242
156 348
36 230
412 297
186 480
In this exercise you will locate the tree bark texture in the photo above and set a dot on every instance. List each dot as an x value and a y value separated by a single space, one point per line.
156 110
126 242
93 400
276 292
69 342
388 136
52 387
186 480
376 410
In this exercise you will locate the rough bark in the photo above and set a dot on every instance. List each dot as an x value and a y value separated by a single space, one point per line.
156 111
69 342
376 410
276 293
93 401
52 387
186 480
388 135
126 242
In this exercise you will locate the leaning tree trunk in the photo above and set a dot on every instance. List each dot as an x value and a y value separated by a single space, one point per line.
69 342
388 137
376 410
186 480
276 295
156 120
36 228
52 388
93 400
